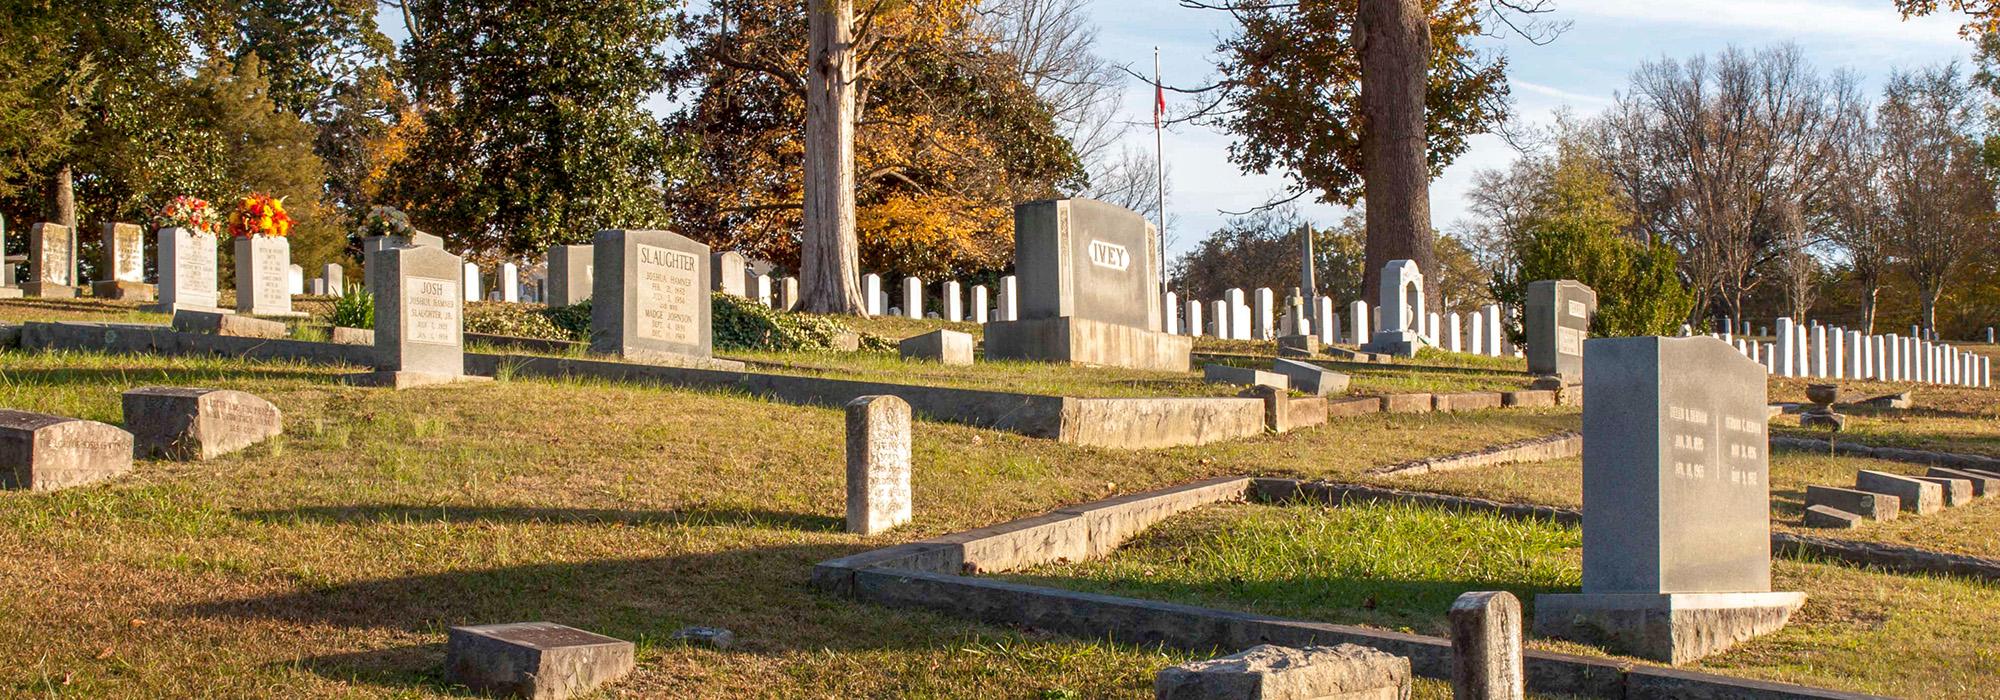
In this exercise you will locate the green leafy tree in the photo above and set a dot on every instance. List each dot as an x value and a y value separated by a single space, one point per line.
531 129
263 148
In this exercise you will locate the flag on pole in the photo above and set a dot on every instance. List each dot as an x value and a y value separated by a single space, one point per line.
1159 99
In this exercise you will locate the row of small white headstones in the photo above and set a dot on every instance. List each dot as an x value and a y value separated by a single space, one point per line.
1832 352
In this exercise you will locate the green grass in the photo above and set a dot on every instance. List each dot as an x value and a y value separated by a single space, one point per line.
1399 567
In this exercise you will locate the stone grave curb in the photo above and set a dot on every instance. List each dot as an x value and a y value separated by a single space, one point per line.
1893 454
1559 445
939 574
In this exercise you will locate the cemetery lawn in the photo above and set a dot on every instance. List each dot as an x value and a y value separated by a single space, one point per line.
1949 419
93 310
1399 567
329 562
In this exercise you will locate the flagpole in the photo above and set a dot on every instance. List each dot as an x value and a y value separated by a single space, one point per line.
1160 161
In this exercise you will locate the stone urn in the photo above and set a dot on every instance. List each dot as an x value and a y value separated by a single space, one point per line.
1823 394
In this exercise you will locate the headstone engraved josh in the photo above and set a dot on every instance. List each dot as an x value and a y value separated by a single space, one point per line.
419 318
1676 503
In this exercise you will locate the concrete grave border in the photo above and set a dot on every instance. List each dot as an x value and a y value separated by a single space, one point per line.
940 574
1955 460
1568 443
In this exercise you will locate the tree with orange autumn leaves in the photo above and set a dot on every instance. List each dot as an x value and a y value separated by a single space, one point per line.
948 138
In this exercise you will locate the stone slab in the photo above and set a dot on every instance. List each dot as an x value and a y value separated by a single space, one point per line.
229 324
1675 628
1874 506
194 424
1244 376
1356 406
1466 401
1080 341
1271 672
1957 492
1832 518
123 291
1914 495
1298 346
942 346
47 290
1407 403
353 336
1983 485
536 660
41 452
1528 398
1311 378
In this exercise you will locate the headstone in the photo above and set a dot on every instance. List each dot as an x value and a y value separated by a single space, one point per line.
1453 330
1402 308
1301 345
727 272
1261 314
187 270
534 660
1357 312
419 318
1788 353
219 322
295 280
953 302
334 278
878 464
711 637
979 304
1486 647
1172 306
1089 290
1219 324
871 293
263 269
1243 376
51 262
372 244
651 300
1559 316
194 424
1269 672
1816 353
788 294
1010 299
942 346
761 290
1328 321
510 282
1676 522
470 277
572 274
1494 340
1310 378
1240 327
40 452
124 251
1831 518
1193 320
913 297
317 287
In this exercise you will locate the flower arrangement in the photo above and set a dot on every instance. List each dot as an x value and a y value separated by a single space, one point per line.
259 215
386 221
187 212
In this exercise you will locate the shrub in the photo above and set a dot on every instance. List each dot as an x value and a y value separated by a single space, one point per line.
742 324
356 309
520 321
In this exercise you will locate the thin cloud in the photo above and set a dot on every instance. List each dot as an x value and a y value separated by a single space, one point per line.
1577 98
1875 20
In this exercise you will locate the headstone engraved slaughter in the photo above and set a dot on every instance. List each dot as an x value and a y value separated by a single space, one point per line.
419 319
187 270
1676 503
124 249
1088 290
263 276
51 262
651 301
1559 315
570 268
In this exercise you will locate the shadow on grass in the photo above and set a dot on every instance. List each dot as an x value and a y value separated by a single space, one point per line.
758 592
394 513
155 374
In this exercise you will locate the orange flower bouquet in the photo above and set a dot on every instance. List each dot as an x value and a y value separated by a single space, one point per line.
260 216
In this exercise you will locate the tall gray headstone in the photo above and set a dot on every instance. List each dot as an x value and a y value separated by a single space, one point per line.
187 270
878 463
1081 258
419 317
263 276
1559 315
51 262
570 274
1676 503
725 271
651 296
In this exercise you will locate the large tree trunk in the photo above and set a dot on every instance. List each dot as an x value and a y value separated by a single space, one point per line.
1395 59
829 253
65 197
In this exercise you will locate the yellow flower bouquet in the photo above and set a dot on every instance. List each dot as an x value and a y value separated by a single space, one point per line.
260 215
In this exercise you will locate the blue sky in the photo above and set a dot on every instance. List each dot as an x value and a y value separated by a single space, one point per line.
1582 70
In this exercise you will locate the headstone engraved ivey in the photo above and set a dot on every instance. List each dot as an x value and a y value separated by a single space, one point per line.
1088 290
1676 494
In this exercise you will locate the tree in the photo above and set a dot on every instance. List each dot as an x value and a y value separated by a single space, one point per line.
1940 192
1982 16
1859 221
1261 249
263 148
532 132
1363 97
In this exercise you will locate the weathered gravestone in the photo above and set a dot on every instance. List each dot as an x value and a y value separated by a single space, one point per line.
1271 672
263 268
40 452
1559 314
295 279
570 278
187 270
8 290
51 262
1088 291
942 346
878 463
535 660
1402 308
192 424
651 300
726 272
1486 647
1676 503
419 318
124 251
375 244
333 280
